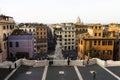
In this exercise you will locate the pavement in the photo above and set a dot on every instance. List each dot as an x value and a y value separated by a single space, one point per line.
3 73
115 70
61 73
101 74
64 73
28 73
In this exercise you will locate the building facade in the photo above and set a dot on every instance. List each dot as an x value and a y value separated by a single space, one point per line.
65 36
80 29
40 35
20 44
96 43
115 29
7 25
30 28
41 38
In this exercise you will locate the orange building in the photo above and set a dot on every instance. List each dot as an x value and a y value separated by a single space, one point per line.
96 43
41 38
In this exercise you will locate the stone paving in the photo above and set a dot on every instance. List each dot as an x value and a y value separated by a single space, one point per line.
28 73
115 70
3 73
101 74
61 73
75 71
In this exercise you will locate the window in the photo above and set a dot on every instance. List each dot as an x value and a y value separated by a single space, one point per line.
44 33
65 35
95 27
17 44
60 36
99 34
95 34
95 42
29 30
83 30
98 42
68 42
104 52
72 47
60 43
110 42
33 30
109 52
10 44
104 42
44 45
7 27
69 35
37 33
81 42
99 27
68 47
4 27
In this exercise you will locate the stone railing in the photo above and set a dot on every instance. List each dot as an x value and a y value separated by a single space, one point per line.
112 63
101 62
38 63
6 64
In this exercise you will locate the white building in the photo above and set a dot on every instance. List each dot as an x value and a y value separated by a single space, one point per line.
65 36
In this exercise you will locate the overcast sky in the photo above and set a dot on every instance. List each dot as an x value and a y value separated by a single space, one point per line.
58 11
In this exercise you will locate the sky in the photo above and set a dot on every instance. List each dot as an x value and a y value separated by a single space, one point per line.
58 11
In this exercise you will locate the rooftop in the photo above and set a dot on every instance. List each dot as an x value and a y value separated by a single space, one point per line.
30 25
18 32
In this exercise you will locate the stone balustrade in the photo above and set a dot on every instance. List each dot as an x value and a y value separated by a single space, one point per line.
38 63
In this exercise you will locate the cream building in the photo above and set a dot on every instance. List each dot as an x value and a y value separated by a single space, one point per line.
65 36
7 25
